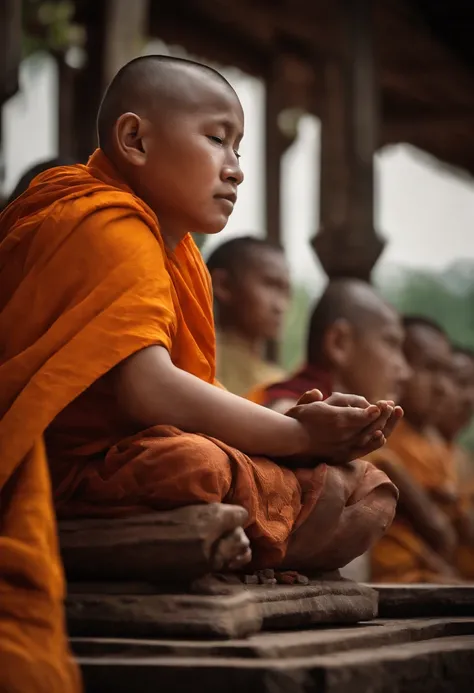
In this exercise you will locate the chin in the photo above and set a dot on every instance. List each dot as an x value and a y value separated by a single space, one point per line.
212 227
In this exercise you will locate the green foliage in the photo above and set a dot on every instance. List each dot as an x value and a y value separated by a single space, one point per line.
293 346
48 25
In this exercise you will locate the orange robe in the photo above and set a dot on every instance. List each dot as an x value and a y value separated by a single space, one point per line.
402 556
87 282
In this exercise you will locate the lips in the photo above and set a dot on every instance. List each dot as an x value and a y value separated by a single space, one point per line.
230 197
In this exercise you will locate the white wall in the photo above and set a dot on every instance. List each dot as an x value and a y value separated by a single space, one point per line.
29 119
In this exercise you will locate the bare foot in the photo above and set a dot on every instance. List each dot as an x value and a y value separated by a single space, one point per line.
232 551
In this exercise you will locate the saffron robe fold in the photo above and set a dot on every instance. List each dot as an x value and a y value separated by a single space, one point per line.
86 281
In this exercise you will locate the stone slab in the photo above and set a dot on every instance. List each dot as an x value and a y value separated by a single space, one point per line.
178 545
280 645
140 610
146 615
437 665
412 601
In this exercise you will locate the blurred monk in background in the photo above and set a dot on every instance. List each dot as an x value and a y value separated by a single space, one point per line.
251 283
108 367
354 345
422 543
458 409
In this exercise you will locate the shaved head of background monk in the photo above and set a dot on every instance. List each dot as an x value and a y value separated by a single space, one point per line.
251 283
173 129
428 351
354 345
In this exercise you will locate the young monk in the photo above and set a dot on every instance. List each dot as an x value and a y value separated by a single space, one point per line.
354 345
251 284
420 546
107 356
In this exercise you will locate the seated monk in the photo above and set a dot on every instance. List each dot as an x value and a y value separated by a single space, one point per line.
108 363
458 409
421 543
251 284
354 345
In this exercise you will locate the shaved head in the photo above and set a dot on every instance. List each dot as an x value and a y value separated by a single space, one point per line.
154 84
234 255
358 338
352 300
172 129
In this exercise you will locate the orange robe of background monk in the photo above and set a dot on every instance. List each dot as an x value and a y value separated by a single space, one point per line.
426 541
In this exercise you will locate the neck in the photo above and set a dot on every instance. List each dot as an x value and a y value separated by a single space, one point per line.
170 237
255 345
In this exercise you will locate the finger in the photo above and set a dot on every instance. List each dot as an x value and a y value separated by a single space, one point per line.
311 396
378 424
397 415
375 443
354 419
339 399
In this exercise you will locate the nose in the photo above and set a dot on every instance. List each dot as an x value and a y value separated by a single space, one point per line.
231 172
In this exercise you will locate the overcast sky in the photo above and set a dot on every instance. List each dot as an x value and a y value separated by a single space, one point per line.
425 212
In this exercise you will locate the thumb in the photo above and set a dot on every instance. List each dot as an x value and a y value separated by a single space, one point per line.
311 396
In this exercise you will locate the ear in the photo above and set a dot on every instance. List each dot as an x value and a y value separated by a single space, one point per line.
129 134
338 343
221 286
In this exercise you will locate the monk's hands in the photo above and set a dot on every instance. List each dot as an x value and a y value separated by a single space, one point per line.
344 427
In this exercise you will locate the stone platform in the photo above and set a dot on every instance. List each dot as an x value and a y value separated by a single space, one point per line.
218 611
411 601
409 656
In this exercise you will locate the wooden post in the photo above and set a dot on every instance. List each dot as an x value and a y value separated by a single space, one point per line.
347 244
276 142
66 77
10 48
274 148
114 29
127 23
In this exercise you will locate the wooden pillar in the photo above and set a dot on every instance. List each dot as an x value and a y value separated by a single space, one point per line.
115 31
127 23
274 148
276 142
88 83
66 78
347 244
10 48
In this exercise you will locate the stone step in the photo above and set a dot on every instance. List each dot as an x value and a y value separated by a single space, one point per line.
290 644
438 664
412 601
